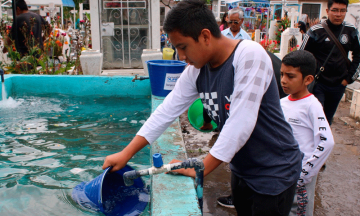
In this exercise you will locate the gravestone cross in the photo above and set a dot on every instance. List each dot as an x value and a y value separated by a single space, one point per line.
293 14
52 9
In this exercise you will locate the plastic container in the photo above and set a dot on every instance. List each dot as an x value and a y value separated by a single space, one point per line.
163 75
107 193
195 116
168 53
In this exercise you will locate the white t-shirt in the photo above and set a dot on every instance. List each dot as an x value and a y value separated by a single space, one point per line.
311 130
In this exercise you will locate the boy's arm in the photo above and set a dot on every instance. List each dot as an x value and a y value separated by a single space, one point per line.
324 143
120 159
253 75
179 99
210 163
308 41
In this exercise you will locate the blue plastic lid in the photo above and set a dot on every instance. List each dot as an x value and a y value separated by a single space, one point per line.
157 160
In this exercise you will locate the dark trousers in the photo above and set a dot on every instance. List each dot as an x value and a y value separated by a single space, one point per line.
329 97
250 203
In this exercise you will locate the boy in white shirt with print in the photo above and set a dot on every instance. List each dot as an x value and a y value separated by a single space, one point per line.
304 113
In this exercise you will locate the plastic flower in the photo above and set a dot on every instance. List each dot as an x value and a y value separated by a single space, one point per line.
66 42
82 21
63 34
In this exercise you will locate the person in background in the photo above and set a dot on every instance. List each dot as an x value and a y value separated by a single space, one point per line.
338 71
224 24
23 16
163 39
305 19
218 21
323 19
48 18
236 18
305 114
302 27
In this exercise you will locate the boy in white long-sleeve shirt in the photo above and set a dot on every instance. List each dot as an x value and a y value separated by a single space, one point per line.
304 113
236 84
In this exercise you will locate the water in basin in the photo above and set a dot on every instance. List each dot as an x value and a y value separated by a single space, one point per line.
51 143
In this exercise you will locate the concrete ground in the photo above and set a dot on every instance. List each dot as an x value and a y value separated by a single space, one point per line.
338 186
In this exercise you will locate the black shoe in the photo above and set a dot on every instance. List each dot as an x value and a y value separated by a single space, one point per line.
226 201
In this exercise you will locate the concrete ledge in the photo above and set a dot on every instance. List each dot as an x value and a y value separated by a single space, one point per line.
172 195
77 85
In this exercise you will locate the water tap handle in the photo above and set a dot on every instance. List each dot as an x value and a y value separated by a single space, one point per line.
157 160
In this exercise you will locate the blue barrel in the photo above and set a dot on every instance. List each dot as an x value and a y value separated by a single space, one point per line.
108 194
163 75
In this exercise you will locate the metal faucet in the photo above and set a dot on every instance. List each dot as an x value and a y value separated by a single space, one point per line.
158 168
137 77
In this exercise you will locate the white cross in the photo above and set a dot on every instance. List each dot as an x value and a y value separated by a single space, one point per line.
74 12
52 9
293 14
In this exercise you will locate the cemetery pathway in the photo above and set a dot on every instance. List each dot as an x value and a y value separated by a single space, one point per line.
337 188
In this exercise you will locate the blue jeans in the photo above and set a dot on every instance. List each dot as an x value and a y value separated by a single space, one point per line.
329 97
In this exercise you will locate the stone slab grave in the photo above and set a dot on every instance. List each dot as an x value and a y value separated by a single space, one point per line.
257 35
273 29
291 37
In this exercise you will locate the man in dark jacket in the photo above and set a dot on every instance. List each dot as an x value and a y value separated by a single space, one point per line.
337 73
32 36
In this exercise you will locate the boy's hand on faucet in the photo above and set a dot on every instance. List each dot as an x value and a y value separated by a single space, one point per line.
186 172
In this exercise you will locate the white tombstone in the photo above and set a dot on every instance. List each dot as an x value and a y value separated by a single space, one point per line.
74 12
291 34
150 54
91 62
273 29
257 35
81 15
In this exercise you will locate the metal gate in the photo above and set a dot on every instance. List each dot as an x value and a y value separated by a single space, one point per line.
125 32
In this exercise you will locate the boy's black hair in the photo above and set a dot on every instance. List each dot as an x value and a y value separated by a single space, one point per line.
331 2
302 26
301 59
21 4
189 18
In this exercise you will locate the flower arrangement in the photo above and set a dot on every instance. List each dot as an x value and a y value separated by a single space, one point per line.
269 45
282 24
41 58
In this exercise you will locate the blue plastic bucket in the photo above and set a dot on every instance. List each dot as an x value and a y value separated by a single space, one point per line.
107 193
163 75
